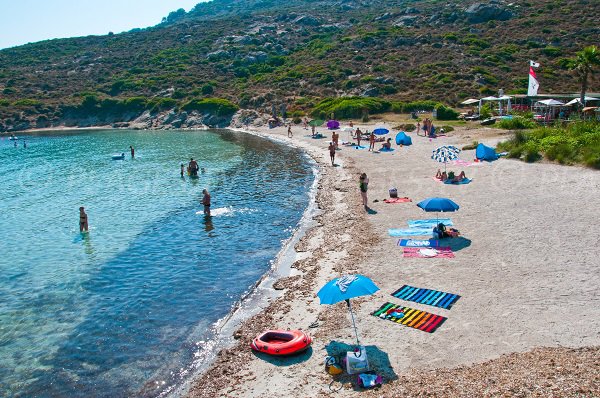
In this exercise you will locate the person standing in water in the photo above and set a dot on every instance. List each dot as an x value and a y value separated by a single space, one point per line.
332 152
83 220
193 168
206 202
182 169
132 151
363 186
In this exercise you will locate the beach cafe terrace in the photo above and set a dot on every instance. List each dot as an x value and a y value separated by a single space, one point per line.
545 107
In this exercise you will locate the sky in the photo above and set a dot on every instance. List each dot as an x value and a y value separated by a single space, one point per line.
28 21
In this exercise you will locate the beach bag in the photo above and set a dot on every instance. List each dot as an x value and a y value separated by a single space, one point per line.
332 366
356 361
393 193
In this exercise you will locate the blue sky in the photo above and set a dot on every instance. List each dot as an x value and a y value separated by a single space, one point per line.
25 21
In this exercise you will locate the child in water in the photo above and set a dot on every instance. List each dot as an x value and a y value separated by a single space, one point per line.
182 169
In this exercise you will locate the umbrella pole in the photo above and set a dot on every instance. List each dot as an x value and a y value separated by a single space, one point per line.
353 323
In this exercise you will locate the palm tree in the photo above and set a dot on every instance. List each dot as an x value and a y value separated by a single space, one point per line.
583 64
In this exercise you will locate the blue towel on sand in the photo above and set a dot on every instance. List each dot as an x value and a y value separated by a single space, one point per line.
464 181
359 147
410 232
429 223
419 242
386 150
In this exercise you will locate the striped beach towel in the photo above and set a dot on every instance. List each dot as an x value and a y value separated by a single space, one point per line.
409 232
425 252
410 317
429 223
419 242
426 296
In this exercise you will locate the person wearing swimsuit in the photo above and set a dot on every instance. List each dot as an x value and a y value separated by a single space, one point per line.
206 202
364 185
83 220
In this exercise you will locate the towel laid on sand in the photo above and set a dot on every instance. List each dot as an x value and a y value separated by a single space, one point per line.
429 223
397 200
435 298
419 242
396 232
386 150
359 147
464 181
438 252
410 317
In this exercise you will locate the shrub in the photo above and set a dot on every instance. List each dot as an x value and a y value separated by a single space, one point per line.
349 107
472 145
406 107
576 143
446 113
208 89
447 128
517 123
218 106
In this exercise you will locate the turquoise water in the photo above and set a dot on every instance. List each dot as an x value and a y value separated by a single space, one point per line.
125 309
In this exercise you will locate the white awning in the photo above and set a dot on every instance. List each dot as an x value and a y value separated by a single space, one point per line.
578 101
470 101
551 102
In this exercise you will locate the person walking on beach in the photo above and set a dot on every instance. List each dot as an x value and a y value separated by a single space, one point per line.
332 152
290 135
305 123
313 130
83 220
132 151
363 186
358 133
206 202
372 141
335 137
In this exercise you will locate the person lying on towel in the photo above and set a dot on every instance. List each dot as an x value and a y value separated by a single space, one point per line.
440 232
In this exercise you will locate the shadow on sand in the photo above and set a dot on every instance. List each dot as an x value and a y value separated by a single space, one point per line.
456 244
379 363
287 360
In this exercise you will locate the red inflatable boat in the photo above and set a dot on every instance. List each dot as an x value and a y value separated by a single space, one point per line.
281 342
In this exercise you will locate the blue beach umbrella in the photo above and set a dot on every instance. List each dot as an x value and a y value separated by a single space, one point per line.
345 288
438 205
380 131
445 153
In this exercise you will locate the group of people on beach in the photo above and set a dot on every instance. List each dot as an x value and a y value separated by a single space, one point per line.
443 176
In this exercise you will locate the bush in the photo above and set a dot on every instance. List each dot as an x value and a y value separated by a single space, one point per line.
517 123
349 107
218 106
578 143
408 127
472 145
446 113
407 107
208 89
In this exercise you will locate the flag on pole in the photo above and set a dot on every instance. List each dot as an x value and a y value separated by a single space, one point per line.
534 85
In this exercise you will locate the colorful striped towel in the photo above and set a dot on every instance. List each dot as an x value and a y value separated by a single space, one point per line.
410 317
419 242
438 252
409 232
426 296
397 200
429 223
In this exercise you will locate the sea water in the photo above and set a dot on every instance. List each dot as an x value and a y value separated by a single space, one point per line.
124 309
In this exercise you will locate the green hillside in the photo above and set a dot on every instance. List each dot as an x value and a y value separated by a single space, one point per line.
258 52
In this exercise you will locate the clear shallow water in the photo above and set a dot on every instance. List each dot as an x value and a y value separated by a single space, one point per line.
124 310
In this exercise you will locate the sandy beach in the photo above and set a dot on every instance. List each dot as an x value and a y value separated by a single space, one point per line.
526 267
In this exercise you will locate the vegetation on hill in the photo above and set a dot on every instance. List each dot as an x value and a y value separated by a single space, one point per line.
578 143
257 53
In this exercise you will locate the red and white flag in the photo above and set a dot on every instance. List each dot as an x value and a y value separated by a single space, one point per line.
534 85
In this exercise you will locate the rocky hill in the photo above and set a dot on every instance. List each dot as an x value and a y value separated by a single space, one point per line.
257 53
